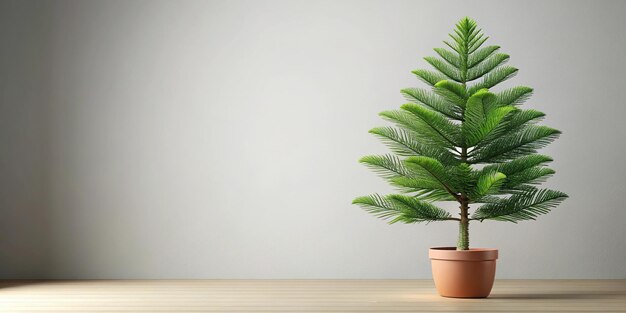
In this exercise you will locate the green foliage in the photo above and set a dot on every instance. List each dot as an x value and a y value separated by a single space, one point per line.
481 55
514 96
482 116
524 141
429 77
522 172
463 140
404 143
401 208
428 168
451 92
432 101
437 124
488 183
496 76
387 166
486 66
522 206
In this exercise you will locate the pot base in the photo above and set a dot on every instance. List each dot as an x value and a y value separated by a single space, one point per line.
463 274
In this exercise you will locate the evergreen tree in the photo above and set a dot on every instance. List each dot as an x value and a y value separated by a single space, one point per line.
460 140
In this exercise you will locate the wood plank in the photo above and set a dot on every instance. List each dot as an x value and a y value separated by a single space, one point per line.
305 296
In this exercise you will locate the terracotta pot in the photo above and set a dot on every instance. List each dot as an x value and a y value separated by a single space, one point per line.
463 274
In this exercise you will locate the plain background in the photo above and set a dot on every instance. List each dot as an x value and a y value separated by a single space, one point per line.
220 139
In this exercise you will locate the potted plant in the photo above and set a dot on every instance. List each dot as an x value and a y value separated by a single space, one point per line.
465 142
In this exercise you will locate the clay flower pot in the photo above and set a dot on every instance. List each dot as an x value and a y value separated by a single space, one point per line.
463 274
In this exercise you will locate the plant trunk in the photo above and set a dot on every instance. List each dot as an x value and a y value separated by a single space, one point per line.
463 242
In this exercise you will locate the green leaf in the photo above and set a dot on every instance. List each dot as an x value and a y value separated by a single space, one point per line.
435 195
399 208
526 141
466 27
518 165
480 55
429 77
438 123
531 176
416 210
451 57
486 199
514 96
453 92
461 178
445 68
430 168
513 122
467 36
404 143
526 170
454 47
378 206
387 166
482 116
523 206
460 43
410 122
524 117
398 140
419 185
420 130
488 183
486 66
473 34
477 42
427 98
392 168
495 77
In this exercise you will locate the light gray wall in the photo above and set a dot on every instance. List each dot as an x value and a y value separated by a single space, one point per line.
219 139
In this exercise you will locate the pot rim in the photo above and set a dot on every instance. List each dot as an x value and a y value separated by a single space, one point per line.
473 254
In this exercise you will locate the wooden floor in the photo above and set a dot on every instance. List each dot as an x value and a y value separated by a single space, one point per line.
305 296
